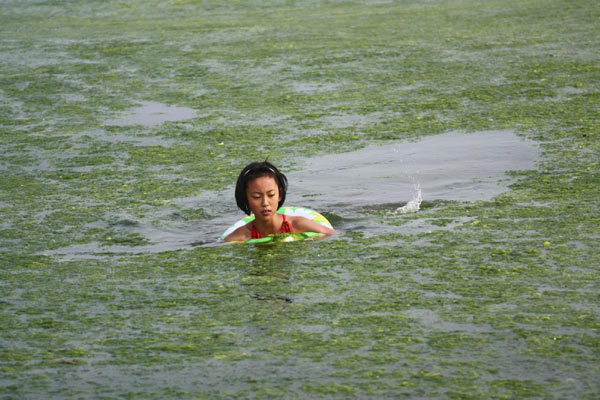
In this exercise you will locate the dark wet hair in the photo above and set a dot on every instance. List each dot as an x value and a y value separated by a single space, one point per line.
256 170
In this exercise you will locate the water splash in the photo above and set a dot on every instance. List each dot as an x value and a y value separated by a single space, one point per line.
451 166
414 204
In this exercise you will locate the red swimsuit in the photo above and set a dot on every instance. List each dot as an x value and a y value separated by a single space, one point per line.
286 227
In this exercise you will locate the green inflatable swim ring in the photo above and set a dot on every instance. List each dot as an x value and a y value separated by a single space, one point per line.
283 237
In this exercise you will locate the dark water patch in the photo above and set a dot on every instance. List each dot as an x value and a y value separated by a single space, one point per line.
125 221
452 166
133 138
435 322
160 229
393 208
350 120
151 113
360 191
315 87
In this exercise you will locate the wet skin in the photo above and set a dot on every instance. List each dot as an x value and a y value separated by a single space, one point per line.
264 197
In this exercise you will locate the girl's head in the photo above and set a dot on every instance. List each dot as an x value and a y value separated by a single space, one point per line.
258 170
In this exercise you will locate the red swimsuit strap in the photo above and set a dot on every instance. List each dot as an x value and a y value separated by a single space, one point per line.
255 232
286 227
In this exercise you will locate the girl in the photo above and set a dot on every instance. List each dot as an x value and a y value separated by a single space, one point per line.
261 189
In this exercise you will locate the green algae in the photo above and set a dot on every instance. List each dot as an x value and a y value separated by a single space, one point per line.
494 299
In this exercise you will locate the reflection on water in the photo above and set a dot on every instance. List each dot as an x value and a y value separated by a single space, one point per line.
268 274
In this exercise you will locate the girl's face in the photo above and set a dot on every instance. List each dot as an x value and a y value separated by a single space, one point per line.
263 196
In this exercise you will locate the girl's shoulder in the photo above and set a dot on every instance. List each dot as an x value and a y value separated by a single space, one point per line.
296 220
302 224
301 220
241 234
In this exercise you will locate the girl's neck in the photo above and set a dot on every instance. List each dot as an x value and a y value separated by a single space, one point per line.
269 226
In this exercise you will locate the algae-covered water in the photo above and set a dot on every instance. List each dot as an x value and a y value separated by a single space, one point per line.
124 124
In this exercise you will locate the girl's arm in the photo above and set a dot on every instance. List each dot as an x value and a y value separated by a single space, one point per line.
301 224
241 234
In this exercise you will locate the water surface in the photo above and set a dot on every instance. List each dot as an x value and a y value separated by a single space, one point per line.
453 166
488 291
151 113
